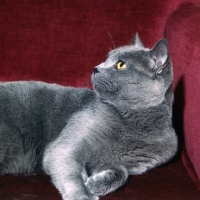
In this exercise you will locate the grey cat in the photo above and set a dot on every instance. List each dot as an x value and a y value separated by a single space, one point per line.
90 141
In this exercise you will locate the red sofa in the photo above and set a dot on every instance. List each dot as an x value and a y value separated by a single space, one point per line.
62 40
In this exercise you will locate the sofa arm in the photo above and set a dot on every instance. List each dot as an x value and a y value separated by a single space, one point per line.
183 34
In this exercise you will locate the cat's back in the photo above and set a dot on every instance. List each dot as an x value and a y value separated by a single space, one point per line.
37 92
27 89
29 103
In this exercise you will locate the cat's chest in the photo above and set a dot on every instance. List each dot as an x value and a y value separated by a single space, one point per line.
101 121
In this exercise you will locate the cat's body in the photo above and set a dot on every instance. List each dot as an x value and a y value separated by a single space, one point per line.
90 141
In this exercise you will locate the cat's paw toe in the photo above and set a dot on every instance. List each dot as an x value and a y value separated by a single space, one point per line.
90 184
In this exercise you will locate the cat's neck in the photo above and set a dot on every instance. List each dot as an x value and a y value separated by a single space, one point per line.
130 114
129 108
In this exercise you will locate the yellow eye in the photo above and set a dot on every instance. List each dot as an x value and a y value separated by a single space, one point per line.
121 65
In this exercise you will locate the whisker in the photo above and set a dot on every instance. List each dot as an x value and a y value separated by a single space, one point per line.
110 36
105 44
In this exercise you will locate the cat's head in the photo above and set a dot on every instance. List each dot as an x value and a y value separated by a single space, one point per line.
134 74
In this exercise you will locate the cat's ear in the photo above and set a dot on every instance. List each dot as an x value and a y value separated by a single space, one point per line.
137 41
159 55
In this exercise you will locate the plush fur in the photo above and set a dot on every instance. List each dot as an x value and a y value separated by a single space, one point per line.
90 141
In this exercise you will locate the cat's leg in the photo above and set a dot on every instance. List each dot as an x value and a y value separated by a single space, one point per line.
107 179
68 173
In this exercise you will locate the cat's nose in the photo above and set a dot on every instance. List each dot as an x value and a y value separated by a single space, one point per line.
96 70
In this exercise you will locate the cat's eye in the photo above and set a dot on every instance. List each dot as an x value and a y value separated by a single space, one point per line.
121 65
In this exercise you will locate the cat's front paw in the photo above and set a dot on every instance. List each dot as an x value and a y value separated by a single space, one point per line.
93 186
97 184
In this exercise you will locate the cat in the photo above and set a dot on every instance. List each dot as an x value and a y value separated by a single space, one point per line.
90 141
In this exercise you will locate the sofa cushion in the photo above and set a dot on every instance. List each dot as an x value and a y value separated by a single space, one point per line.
183 34
166 183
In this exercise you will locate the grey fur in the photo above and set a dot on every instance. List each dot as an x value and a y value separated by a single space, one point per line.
88 141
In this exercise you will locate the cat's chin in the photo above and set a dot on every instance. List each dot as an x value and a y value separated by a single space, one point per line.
108 94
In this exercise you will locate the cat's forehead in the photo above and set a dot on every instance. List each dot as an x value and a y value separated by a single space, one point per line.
139 57
126 51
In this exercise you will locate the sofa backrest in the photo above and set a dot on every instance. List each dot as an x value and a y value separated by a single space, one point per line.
61 41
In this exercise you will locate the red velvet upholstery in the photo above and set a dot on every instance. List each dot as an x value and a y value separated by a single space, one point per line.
183 34
62 40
